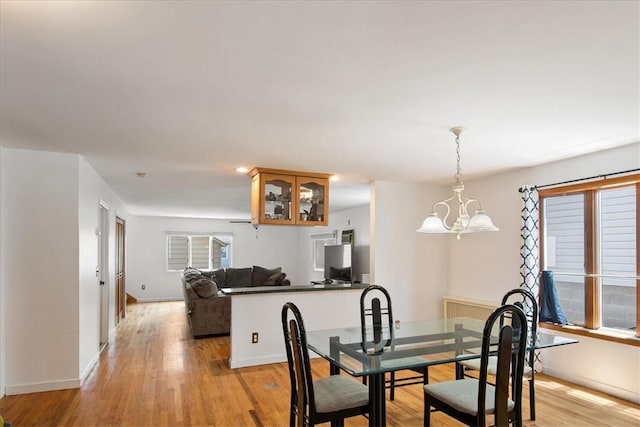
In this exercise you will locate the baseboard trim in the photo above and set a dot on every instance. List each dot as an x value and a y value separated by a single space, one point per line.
242 363
158 299
274 358
11 390
92 364
54 385
629 395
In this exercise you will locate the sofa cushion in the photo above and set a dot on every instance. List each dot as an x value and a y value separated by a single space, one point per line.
275 279
237 277
259 275
204 287
219 277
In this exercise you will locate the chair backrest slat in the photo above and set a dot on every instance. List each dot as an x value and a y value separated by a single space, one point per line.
373 317
298 368
502 376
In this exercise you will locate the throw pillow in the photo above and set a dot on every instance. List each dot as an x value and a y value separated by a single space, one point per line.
191 274
207 274
237 277
259 275
275 279
204 288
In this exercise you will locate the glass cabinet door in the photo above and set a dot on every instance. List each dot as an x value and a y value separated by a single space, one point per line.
276 199
313 197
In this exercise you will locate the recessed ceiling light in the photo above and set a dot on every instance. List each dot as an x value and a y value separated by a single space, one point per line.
334 178
141 174
242 169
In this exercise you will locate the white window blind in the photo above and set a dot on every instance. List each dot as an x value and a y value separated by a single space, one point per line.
200 252
203 251
178 252
318 242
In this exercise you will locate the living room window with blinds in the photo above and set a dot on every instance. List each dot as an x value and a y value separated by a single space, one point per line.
318 242
201 251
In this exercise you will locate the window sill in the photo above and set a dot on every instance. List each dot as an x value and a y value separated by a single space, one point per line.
605 334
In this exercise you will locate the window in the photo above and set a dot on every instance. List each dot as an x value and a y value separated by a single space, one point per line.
201 251
318 242
589 235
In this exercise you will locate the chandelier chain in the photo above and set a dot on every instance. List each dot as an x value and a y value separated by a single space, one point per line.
458 176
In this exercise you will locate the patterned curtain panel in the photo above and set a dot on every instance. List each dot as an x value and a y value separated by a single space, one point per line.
530 267
529 250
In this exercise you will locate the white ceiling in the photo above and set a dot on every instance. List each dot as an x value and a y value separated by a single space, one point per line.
186 91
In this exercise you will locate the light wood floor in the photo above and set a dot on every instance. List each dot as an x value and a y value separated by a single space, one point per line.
154 374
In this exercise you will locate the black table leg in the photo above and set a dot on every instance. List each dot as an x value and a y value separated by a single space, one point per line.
334 369
458 339
377 401
459 371
335 355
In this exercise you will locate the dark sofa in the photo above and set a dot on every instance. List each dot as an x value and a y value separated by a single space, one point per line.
208 309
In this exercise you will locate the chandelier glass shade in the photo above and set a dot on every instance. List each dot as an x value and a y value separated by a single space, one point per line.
458 205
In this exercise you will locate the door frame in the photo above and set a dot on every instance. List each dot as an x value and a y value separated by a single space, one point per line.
103 272
121 293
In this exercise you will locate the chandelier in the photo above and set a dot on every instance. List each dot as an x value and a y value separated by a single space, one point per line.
463 223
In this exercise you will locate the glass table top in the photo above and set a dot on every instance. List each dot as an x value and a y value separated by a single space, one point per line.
408 344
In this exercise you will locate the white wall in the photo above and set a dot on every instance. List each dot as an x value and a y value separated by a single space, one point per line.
319 309
41 269
275 246
412 266
49 209
484 266
606 366
3 248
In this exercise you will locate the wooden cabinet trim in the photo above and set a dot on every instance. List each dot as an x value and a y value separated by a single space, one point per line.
258 170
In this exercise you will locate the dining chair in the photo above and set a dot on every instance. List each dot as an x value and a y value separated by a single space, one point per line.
525 300
470 400
375 308
329 399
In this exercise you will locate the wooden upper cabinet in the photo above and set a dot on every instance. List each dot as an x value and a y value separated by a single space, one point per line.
285 197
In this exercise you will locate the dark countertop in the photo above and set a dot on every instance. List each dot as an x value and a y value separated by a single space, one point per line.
293 288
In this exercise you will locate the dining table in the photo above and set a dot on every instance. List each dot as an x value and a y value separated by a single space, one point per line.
373 352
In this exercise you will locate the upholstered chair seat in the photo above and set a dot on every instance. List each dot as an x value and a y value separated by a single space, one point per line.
492 367
463 395
337 392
